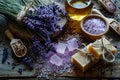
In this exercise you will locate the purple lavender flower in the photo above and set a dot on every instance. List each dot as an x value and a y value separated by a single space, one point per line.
111 6
5 55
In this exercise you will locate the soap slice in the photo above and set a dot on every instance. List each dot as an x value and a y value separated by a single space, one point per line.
61 47
72 44
79 59
56 60
97 50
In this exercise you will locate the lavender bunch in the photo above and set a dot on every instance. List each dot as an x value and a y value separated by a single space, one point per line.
40 48
43 20
11 8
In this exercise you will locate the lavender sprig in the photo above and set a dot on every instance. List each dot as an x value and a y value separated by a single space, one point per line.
43 20
5 55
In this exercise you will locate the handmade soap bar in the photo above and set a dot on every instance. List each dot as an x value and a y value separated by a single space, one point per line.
79 59
96 48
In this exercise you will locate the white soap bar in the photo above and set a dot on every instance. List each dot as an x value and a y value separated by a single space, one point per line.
79 59
97 50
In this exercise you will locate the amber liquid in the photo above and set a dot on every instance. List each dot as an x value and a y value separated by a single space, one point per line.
78 9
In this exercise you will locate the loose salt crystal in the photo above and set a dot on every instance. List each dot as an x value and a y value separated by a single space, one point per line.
119 7
61 47
72 44
56 60
95 26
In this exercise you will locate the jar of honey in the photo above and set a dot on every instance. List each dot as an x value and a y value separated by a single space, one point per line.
78 9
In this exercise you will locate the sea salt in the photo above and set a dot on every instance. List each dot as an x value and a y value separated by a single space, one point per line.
95 26
72 44
56 60
111 6
60 48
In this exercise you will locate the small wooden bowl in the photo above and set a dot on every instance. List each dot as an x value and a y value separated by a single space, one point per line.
90 35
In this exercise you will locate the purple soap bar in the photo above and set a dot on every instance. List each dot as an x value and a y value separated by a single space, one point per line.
56 60
111 6
72 44
95 26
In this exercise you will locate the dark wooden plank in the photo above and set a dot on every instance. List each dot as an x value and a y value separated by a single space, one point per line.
101 69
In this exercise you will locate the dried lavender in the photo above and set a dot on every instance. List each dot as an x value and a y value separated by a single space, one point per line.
55 63
43 20
11 8
13 65
37 48
118 7
27 61
111 6
5 55
20 70
48 68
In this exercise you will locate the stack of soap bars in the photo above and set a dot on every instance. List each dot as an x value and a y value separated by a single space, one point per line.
92 53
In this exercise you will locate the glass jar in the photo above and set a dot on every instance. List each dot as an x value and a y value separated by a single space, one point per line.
78 9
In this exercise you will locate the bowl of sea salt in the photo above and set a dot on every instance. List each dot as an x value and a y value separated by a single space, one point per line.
94 26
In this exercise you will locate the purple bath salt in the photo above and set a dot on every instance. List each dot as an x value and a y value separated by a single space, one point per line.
56 60
95 26
111 6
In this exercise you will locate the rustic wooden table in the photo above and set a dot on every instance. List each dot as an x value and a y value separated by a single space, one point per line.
101 69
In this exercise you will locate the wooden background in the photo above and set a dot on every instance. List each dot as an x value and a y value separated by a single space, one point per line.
102 69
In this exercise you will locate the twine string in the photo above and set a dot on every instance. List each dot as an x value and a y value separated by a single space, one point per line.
107 52
88 55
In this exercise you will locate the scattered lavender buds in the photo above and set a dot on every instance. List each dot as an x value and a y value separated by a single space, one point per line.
13 65
20 70
95 26
42 21
27 61
5 55
111 6
118 7
57 63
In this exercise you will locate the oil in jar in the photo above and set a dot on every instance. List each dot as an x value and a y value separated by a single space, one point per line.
78 9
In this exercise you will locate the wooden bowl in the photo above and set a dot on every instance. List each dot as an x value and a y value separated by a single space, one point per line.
89 35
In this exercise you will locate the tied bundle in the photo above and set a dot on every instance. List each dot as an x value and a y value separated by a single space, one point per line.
12 8
106 50
87 54
107 54
40 19
92 53
35 15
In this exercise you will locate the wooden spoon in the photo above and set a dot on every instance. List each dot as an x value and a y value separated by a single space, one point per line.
108 5
115 25
17 45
